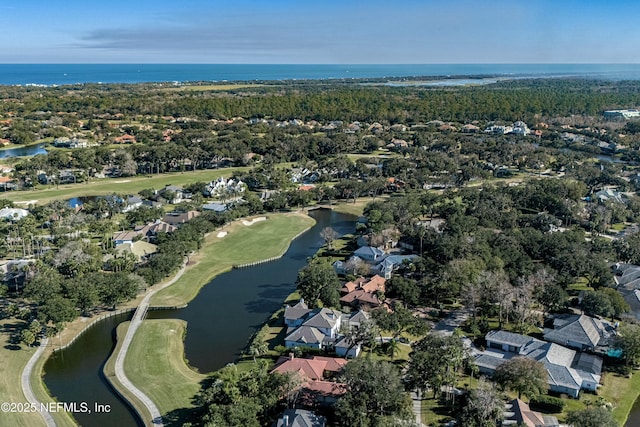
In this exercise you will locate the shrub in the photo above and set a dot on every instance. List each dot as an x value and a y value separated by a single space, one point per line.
547 404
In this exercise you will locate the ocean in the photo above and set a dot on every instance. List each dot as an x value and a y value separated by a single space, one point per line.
62 74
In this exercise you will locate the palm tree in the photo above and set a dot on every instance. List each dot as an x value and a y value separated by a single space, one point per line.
392 348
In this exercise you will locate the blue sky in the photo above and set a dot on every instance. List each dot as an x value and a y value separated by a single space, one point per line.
321 31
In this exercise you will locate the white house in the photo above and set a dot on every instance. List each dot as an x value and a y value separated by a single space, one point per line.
13 214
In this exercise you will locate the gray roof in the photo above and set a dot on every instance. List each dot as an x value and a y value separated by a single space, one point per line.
490 362
580 329
588 363
294 313
306 335
508 338
627 276
325 318
368 251
299 418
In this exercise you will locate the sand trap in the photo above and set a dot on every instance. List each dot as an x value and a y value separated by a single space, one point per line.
222 234
122 181
254 220
27 202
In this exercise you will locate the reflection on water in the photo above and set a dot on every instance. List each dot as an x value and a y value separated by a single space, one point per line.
30 150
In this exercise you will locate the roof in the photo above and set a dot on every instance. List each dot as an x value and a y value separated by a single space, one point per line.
140 248
333 364
180 217
519 412
324 318
375 283
580 329
308 368
13 213
360 296
368 252
296 312
508 338
299 418
125 235
306 335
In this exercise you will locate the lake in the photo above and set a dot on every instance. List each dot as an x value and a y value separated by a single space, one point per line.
221 319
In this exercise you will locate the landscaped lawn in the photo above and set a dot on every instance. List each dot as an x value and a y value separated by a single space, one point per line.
243 244
123 185
155 364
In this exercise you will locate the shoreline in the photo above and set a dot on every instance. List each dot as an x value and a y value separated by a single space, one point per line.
37 373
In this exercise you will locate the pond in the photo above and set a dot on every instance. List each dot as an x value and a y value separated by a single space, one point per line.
221 319
29 150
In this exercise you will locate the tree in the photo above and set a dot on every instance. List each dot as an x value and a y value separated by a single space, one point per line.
28 337
618 304
628 340
484 407
318 282
523 375
597 304
374 391
436 361
591 417
328 234
552 297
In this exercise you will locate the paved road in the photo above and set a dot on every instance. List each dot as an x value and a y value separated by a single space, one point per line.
136 321
26 383
454 320
417 408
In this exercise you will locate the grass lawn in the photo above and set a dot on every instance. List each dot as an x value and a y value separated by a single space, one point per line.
123 186
155 364
621 392
13 358
432 413
243 244
109 370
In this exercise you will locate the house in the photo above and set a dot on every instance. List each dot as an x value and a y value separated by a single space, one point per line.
178 218
132 203
319 328
140 249
608 195
520 128
391 263
215 207
518 413
348 267
124 237
299 418
469 128
568 371
172 193
13 214
369 254
125 139
363 293
578 331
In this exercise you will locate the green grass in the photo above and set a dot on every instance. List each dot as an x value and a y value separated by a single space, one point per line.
580 285
432 413
243 244
109 371
12 362
621 392
155 364
118 185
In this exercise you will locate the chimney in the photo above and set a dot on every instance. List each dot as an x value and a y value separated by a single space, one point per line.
291 356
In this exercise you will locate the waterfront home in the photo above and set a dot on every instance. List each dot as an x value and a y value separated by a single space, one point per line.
320 328
568 371
579 331
369 254
363 293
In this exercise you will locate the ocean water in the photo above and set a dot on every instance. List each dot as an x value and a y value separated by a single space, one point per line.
61 74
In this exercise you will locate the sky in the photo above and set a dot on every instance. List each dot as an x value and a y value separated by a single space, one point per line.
320 32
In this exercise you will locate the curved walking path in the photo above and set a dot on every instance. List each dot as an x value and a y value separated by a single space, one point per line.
136 321
26 383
